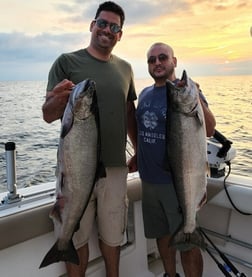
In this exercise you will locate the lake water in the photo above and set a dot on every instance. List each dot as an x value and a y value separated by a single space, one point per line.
36 141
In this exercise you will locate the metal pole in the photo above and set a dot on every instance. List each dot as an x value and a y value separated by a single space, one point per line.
10 154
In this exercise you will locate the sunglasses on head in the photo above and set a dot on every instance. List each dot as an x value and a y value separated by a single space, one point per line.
160 57
102 23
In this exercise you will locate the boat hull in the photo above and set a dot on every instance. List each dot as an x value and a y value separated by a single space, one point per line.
26 233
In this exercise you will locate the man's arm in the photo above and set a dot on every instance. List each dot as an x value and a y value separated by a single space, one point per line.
209 119
56 100
132 133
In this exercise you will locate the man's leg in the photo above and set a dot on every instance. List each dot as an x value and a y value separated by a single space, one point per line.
112 210
192 262
74 270
167 254
111 257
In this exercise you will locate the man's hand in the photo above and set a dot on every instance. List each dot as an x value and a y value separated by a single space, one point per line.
56 100
132 164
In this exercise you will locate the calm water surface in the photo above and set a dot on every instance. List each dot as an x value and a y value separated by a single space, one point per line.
36 141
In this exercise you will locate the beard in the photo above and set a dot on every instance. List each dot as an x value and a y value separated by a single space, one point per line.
162 72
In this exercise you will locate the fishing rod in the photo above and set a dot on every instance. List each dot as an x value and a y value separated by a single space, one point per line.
220 266
229 264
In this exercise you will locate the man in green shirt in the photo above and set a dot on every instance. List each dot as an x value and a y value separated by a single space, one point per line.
116 95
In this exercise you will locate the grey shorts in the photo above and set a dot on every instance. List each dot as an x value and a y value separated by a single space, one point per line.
161 212
109 207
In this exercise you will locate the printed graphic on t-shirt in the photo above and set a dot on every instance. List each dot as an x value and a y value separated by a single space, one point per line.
149 120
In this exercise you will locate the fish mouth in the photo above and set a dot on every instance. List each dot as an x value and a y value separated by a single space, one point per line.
184 77
87 84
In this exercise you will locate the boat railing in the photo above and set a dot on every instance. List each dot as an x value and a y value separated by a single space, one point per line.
216 161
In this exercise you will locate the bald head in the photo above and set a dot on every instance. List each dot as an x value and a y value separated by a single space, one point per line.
163 46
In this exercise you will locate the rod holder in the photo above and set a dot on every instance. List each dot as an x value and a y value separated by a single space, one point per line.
10 155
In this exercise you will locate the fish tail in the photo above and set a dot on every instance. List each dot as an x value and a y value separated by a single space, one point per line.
186 241
55 255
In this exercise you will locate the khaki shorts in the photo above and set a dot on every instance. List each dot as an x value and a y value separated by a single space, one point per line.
108 205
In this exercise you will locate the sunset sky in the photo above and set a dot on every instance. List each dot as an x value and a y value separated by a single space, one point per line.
209 37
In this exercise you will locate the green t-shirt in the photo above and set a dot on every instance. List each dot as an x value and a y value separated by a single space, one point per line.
115 86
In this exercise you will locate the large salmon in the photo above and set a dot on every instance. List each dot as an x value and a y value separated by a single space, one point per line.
187 156
77 169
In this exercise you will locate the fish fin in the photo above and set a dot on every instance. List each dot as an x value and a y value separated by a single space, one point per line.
58 206
54 255
202 202
184 242
55 212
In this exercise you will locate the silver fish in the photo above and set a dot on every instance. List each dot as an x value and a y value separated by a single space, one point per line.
187 156
77 169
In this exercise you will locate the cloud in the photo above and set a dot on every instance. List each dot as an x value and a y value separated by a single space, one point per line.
135 11
224 5
41 47
203 34
25 56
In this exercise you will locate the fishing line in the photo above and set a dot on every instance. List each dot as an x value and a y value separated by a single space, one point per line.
227 193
